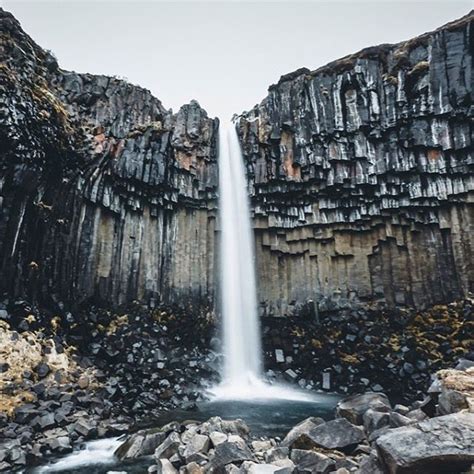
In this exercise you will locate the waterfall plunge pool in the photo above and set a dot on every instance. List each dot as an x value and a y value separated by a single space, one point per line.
265 417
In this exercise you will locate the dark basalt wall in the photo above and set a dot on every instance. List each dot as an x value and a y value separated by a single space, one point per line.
361 177
103 192
361 181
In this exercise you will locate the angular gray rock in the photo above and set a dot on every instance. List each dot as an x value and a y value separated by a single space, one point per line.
441 444
353 408
312 462
336 434
197 445
168 447
163 466
226 453
300 430
142 443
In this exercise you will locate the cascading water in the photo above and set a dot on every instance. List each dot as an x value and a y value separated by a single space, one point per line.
242 371
242 351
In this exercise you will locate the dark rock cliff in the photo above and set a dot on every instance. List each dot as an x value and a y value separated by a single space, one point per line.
103 192
361 177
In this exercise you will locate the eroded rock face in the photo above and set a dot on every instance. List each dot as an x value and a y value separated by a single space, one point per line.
104 193
361 175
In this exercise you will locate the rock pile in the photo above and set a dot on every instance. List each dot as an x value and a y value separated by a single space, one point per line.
368 436
371 348
123 368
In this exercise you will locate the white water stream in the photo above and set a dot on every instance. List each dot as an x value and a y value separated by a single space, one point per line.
242 373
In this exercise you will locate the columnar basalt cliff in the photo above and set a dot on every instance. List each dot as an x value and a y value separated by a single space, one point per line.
361 178
103 192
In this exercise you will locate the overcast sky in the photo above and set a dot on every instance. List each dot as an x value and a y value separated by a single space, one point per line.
224 54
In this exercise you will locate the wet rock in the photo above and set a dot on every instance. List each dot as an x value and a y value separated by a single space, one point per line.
298 433
142 443
353 408
60 444
168 447
435 445
335 434
311 462
198 444
226 453
163 466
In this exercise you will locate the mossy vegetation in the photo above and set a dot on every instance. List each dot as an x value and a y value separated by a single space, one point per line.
419 68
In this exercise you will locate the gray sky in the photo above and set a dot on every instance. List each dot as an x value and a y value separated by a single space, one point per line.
224 54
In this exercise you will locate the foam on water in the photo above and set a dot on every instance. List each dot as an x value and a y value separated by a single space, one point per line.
100 452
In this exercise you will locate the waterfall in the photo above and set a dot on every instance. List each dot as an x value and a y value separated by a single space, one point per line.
242 376
241 331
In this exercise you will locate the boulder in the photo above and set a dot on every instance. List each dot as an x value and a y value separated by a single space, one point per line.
312 462
192 468
374 420
335 434
456 390
169 446
300 430
353 408
198 444
163 466
142 443
442 444
217 437
229 427
226 453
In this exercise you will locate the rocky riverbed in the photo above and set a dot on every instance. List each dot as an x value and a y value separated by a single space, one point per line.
71 377
369 435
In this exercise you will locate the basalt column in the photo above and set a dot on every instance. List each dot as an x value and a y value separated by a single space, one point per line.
103 193
361 178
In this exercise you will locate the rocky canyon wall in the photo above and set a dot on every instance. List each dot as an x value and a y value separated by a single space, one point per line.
361 178
361 182
103 192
